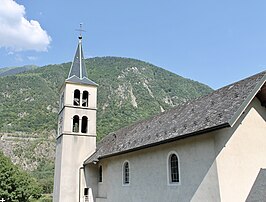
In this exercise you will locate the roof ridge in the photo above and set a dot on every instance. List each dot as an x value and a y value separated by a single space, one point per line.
255 75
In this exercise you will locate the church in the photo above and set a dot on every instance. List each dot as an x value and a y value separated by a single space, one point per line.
211 149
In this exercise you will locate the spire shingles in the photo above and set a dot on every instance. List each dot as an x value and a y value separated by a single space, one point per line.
78 72
78 67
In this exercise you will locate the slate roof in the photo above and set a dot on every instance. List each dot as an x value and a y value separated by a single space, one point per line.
219 109
258 190
78 71
84 80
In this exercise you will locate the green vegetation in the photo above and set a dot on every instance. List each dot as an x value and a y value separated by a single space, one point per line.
16 185
45 198
7 71
45 176
129 90
29 101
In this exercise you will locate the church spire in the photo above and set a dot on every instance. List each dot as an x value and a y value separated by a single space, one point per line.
78 67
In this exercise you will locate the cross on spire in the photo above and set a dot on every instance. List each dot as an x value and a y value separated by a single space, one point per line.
80 33
2 200
78 67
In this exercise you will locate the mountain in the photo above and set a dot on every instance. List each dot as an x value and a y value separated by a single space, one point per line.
7 71
129 90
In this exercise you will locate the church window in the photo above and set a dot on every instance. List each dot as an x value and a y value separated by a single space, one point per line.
100 174
86 194
173 167
84 125
76 124
126 173
85 98
86 191
76 101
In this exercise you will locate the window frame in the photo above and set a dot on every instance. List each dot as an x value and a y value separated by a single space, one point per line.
84 121
77 96
73 123
100 174
124 183
169 172
85 98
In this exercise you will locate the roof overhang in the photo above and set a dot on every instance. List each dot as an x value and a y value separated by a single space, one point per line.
262 95
256 91
84 81
95 160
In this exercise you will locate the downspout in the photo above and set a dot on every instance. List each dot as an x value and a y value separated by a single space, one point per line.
81 168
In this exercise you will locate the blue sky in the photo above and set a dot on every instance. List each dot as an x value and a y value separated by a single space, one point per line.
214 42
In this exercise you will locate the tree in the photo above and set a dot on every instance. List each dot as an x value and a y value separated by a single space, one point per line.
16 185
45 176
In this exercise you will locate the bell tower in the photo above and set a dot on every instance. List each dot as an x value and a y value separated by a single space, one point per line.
76 136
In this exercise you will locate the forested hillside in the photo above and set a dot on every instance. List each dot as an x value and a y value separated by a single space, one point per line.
129 90
15 70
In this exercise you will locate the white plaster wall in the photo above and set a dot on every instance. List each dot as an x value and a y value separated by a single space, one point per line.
91 177
57 176
69 113
69 94
242 154
101 185
60 123
148 174
65 119
73 149
218 166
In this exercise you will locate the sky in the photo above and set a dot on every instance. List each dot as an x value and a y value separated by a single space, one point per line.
210 41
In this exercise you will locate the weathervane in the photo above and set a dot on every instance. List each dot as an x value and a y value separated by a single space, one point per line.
80 30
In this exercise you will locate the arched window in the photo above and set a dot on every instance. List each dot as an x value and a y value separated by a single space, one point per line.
126 173
100 174
76 101
85 98
84 124
173 167
75 124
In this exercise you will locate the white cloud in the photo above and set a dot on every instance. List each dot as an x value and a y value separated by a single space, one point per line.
19 58
17 33
32 58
